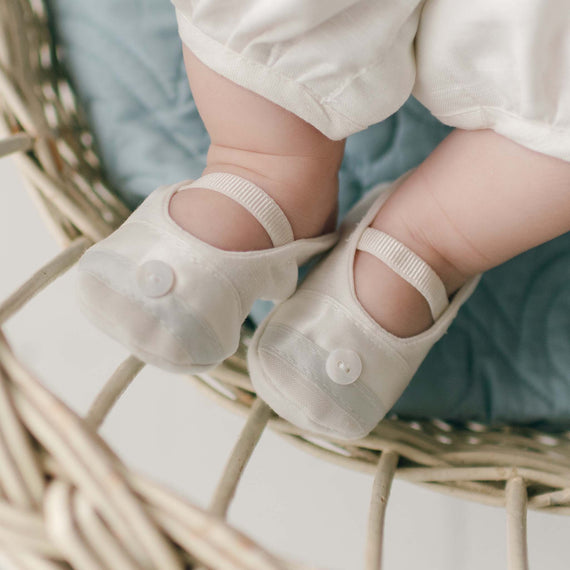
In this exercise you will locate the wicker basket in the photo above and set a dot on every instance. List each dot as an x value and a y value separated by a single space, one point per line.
67 500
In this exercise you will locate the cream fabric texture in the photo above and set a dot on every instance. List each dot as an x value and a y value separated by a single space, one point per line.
289 358
343 65
176 301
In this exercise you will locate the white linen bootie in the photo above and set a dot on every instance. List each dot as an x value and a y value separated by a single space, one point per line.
177 302
321 361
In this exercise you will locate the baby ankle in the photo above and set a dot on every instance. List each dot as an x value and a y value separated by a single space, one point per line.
305 188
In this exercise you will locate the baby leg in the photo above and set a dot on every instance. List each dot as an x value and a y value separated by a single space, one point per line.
478 200
273 148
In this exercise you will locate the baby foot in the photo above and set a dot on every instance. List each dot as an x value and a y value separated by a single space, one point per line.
389 299
223 223
172 283
320 361
173 299
217 220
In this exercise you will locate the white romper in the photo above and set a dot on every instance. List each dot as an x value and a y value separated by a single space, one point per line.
343 65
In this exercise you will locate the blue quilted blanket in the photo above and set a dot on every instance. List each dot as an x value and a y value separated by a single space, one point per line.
507 355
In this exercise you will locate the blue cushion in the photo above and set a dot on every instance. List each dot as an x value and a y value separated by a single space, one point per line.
506 356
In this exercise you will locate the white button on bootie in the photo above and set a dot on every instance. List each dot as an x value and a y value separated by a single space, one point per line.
177 302
321 361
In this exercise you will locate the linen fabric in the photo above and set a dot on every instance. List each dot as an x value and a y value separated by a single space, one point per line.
289 358
343 65
176 301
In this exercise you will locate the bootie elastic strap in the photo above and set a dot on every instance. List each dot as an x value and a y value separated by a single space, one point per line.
408 266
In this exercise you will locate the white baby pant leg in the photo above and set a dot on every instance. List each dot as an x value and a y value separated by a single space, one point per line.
343 65
498 64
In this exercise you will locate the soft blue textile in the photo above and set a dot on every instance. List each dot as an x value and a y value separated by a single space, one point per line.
505 358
